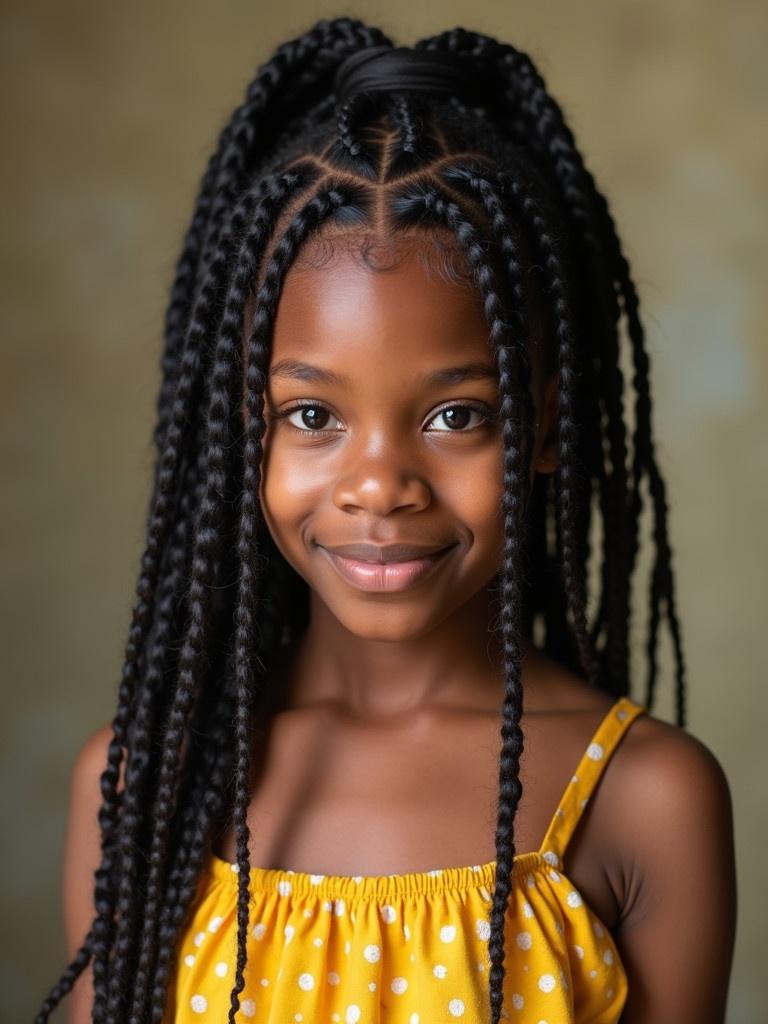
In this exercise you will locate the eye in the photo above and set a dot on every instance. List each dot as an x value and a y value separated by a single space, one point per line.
459 418
309 417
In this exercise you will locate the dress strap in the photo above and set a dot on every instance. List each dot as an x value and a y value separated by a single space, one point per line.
606 738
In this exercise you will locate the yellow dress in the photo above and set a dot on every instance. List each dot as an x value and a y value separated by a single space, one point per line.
410 948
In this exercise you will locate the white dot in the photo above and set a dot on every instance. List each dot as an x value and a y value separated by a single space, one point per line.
448 933
554 875
456 1008
595 752
199 1004
372 953
399 985
621 715
598 929
608 957
298 1016
517 1001
483 929
234 868
546 982
306 982
413 1019
339 907
388 913
406 932
527 909
316 879
221 968
347 947
372 986
551 858
327 905
579 952
333 978
352 1016
573 899
593 973
284 887
574 778
189 960
317 942
530 881
264 982
259 930
199 938
288 932
439 970
248 1006
215 924
524 940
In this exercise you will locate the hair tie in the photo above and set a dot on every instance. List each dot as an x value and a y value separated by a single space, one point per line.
395 69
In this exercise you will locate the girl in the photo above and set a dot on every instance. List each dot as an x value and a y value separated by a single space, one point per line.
368 695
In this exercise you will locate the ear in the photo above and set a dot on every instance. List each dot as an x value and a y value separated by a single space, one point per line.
546 460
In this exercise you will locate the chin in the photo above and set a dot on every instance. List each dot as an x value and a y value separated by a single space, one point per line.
395 626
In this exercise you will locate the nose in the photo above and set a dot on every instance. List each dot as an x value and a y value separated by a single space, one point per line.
381 484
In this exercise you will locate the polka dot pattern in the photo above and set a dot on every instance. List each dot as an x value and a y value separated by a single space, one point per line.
417 941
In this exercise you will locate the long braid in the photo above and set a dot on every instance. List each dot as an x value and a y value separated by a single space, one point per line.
304 221
139 758
515 468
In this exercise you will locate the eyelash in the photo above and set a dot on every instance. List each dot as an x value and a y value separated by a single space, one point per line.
481 410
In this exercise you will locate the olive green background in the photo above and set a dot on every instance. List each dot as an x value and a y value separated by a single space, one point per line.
110 112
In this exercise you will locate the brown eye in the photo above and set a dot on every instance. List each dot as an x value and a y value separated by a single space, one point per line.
309 417
459 418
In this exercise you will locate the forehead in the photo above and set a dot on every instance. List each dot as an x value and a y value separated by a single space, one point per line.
401 302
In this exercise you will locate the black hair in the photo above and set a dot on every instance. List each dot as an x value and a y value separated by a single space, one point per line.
215 599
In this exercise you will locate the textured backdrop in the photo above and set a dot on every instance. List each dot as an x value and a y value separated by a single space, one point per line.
110 113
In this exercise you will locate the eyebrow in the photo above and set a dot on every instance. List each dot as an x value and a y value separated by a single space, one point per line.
291 369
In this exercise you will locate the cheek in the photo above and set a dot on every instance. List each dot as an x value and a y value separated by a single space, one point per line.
289 490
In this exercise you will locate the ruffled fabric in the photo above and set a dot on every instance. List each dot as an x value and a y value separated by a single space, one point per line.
410 948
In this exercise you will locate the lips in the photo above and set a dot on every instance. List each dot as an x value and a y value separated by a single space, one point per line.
385 568
366 552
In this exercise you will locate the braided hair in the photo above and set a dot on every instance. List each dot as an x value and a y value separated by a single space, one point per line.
215 600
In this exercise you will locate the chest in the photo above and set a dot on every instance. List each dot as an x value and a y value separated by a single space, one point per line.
341 799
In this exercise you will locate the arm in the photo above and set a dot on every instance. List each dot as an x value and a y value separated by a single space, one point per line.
82 855
678 921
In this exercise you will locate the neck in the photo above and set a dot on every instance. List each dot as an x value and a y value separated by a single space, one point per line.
457 665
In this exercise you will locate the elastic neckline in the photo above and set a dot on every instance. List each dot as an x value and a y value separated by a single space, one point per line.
285 882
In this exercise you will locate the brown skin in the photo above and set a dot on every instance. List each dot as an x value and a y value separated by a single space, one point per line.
384 756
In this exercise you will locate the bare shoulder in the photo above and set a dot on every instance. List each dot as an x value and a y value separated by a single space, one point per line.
671 853
82 846
668 774
82 856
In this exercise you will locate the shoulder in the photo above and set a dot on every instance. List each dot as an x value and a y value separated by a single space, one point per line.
667 773
671 852
671 819
92 755
82 846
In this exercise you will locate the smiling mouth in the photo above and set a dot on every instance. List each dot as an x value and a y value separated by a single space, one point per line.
386 577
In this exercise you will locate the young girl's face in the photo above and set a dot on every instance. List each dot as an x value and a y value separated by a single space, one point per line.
381 413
